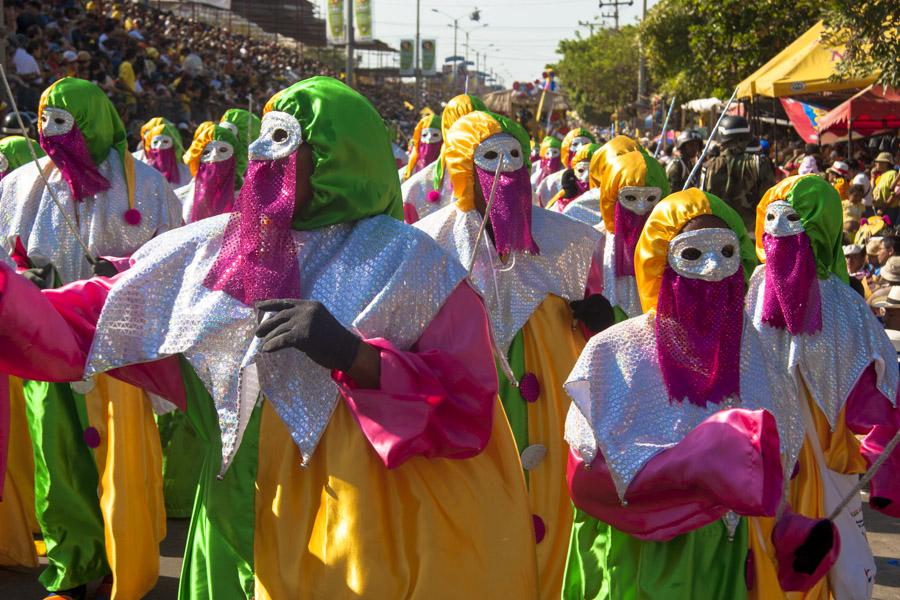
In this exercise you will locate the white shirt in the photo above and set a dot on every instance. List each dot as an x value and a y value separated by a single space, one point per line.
863 180
25 63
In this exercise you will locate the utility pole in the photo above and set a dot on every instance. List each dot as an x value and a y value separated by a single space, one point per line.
614 4
418 55
350 42
642 92
455 55
590 25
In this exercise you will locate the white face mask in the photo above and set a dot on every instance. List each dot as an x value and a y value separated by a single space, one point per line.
582 170
500 145
56 121
707 254
551 153
161 142
577 144
4 164
216 151
279 136
782 220
430 135
639 200
230 127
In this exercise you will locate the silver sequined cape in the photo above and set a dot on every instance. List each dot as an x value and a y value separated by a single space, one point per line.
586 208
832 360
512 292
27 210
549 187
415 191
620 291
622 409
378 276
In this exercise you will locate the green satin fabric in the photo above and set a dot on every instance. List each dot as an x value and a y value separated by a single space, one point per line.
65 482
604 563
514 406
819 207
181 470
218 556
248 130
15 149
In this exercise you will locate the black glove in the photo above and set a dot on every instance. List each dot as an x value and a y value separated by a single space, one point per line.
307 326
594 311
815 548
103 268
40 276
570 184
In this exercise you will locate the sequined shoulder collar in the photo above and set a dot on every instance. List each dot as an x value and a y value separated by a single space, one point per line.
586 208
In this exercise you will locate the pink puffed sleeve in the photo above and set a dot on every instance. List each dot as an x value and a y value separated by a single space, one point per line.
410 214
729 462
47 335
869 413
436 399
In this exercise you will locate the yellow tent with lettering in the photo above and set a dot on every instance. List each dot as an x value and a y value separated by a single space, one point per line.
804 67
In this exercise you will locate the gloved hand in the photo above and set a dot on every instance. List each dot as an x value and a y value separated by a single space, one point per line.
104 268
570 184
40 276
307 326
595 312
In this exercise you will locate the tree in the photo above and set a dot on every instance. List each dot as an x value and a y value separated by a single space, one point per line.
670 61
870 31
600 72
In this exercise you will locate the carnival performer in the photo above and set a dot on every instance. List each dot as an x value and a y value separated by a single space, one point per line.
245 127
115 204
571 144
679 425
843 373
586 207
321 332
139 154
531 267
14 153
162 150
426 146
549 161
428 190
630 184
575 181
213 161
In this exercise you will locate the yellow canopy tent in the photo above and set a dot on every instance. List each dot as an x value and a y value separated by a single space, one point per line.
804 67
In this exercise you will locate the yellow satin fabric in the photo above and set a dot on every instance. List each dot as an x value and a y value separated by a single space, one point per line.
567 142
806 497
129 461
416 140
17 520
628 169
459 151
347 527
551 348
202 136
603 157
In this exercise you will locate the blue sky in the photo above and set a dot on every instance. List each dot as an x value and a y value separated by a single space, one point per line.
525 33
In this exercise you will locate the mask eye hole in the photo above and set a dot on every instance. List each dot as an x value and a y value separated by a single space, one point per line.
728 251
515 153
223 149
651 199
630 198
770 217
59 121
691 254
491 155
793 218
279 135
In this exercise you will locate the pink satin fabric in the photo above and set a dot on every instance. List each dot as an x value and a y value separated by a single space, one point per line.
629 226
510 213
410 214
258 259
730 461
698 337
549 166
561 203
791 298
790 533
69 152
46 335
213 190
870 414
428 153
165 162
436 400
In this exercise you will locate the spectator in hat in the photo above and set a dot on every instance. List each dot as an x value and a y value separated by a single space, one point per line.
838 175
888 276
810 162
855 255
888 308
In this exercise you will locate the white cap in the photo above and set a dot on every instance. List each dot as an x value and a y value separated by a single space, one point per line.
851 249
70 56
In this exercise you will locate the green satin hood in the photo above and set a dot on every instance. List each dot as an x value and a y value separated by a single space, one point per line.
248 130
223 134
94 114
355 175
15 149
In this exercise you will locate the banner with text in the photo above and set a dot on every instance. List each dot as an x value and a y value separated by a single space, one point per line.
362 20
335 27
429 62
407 57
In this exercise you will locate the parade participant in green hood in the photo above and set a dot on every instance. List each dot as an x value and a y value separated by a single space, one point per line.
313 328
162 150
14 153
245 127
216 181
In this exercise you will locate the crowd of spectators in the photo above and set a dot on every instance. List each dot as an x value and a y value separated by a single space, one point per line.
152 62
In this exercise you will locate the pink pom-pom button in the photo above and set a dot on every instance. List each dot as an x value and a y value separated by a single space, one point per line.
529 388
132 216
433 196
91 437
540 530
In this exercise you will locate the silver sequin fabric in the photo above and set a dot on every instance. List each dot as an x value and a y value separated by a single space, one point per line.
27 210
620 291
549 187
622 409
415 191
185 195
586 208
513 291
378 276
831 361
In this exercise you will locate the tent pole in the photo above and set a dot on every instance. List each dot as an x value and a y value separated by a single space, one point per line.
774 143
850 139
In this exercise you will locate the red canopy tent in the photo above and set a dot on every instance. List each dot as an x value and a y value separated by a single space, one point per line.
872 110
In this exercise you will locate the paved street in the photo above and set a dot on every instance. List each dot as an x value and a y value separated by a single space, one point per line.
884 535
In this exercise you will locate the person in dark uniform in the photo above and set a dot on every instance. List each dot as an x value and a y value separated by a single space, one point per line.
679 168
